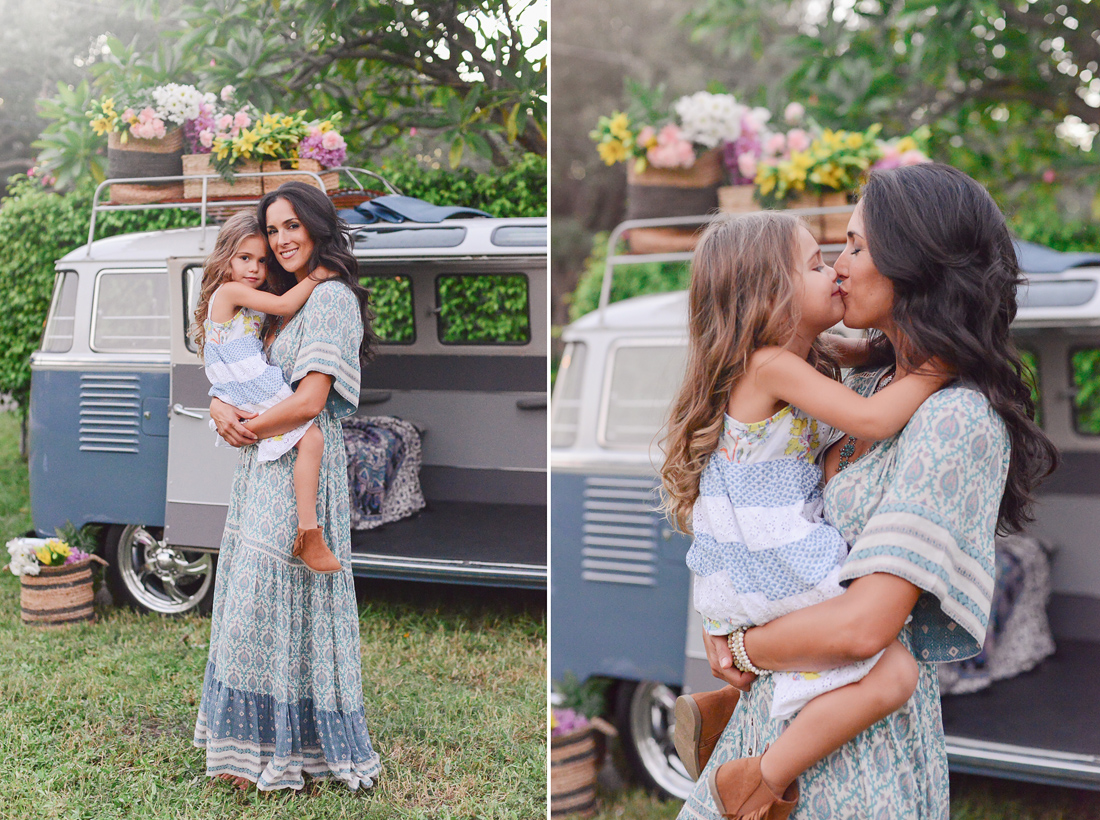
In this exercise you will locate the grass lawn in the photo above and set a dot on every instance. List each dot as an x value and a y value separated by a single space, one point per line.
97 719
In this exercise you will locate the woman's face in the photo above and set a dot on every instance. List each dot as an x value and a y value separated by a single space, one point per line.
288 237
868 295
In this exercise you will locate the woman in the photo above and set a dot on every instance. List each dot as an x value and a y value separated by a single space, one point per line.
930 265
283 693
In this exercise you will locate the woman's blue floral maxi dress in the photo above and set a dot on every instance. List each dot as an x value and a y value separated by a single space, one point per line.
283 692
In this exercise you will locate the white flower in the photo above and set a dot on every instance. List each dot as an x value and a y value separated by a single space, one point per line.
793 113
177 103
228 92
709 119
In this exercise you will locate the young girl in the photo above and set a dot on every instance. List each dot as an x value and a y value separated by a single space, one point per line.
752 416
228 324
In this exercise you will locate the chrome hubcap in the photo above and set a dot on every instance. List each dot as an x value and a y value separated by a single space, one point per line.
162 578
651 721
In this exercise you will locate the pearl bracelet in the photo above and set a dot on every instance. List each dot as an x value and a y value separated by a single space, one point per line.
736 642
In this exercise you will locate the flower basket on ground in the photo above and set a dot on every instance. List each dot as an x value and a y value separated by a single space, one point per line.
573 773
55 581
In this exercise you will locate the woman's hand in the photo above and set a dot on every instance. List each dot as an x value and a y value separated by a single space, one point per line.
227 418
721 662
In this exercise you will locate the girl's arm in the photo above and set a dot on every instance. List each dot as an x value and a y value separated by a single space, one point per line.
783 375
304 405
286 305
848 352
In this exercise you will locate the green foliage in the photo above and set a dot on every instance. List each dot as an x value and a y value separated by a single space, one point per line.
588 698
37 228
1031 379
630 280
391 299
1086 380
484 308
68 146
85 539
519 190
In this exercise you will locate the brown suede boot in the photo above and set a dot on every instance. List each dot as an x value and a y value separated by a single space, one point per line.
739 791
700 721
310 546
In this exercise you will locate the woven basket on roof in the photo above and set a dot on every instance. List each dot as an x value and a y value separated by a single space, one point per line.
329 179
58 596
573 774
145 158
196 165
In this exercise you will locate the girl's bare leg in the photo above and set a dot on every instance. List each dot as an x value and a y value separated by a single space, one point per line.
829 721
306 471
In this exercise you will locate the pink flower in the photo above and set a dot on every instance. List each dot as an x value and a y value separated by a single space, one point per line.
32 171
206 137
1048 176
775 145
128 114
412 132
242 120
797 139
647 135
913 157
147 114
672 150
224 122
331 141
228 92
794 113
315 131
746 164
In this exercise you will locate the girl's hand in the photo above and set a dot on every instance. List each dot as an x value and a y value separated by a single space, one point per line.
721 662
227 422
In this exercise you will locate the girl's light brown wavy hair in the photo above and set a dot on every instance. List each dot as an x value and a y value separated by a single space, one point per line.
217 271
743 296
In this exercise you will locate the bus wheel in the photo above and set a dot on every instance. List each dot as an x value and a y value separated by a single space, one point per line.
644 718
149 575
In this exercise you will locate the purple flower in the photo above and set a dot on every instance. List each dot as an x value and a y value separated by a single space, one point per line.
746 144
192 129
327 147
568 721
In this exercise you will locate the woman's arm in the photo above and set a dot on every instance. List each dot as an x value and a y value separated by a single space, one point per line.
788 378
286 305
304 405
848 628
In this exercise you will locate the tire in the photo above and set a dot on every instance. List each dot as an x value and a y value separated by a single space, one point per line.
644 718
149 576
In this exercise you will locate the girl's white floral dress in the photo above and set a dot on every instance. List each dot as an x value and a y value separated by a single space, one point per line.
921 505
283 693
762 547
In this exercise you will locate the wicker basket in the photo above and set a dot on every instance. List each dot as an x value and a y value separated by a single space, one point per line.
58 596
573 774
827 229
145 158
659 192
330 179
737 199
197 165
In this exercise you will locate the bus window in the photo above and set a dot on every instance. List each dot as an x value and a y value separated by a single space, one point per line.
58 337
566 406
1085 366
488 309
131 312
642 382
392 301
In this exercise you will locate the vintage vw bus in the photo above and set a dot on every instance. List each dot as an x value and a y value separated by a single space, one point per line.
620 590
118 430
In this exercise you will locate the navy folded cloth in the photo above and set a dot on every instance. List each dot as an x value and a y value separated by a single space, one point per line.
393 208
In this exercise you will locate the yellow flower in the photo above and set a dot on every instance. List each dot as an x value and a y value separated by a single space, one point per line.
765 181
109 106
325 126
612 151
43 555
854 141
221 149
618 126
906 144
101 126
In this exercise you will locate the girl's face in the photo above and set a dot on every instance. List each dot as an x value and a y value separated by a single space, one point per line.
868 295
249 264
820 303
288 237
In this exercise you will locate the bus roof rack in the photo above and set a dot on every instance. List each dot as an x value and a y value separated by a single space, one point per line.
206 204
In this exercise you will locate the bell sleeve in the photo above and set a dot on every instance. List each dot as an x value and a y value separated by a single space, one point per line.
332 330
935 522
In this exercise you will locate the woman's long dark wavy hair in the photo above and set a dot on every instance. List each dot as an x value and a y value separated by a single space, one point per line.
939 237
331 250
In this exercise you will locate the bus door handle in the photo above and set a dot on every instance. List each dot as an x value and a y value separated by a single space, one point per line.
532 403
183 411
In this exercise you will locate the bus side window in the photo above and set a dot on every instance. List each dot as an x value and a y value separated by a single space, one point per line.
1031 379
643 382
566 407
1085 366
483 309
131 312
392 301
58 337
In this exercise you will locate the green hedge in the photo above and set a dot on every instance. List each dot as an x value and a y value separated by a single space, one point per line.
38 227
630 280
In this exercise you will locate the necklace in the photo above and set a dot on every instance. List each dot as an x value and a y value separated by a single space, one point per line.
849 448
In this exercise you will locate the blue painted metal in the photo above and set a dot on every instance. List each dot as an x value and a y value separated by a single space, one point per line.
70 480
617 630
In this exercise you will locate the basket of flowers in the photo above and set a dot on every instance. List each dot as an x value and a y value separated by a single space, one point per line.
145 138
55 576
224 122
320 149
572 764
